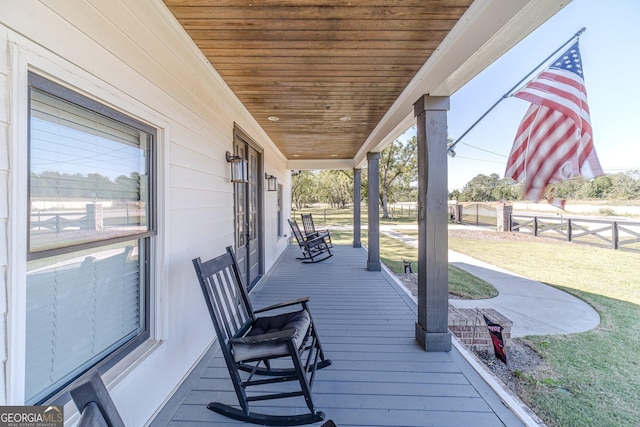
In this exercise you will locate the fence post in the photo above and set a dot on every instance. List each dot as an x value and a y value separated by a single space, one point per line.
503 213
614 234
95 217
569 229
535 226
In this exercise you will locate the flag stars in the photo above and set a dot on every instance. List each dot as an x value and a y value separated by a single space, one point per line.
570 61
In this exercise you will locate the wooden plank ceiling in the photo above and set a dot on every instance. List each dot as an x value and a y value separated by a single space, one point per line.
318 75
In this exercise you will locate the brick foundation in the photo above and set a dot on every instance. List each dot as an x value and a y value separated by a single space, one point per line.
469 326
461 320
503 213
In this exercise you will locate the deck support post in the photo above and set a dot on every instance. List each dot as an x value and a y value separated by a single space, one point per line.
432 329
357 182
373 243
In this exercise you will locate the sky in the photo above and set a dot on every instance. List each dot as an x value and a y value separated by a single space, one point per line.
610 59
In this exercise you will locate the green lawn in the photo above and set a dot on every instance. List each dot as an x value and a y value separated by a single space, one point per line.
587 379
392 252
592 378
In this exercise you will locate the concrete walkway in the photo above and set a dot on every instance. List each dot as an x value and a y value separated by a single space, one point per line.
533 307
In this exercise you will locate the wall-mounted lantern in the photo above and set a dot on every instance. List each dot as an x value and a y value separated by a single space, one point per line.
272 182
238 168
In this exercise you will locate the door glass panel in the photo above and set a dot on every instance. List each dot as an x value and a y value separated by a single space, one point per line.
253 195
240 230
247 200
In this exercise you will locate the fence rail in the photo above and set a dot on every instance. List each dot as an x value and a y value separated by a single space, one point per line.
59 221
601 232
478 214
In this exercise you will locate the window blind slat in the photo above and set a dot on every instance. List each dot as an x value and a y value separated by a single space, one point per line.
62 113
77 312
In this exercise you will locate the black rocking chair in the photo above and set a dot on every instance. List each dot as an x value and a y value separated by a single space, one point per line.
247 341
94 403
310 229
314 248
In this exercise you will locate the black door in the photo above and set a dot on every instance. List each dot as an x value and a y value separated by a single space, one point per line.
248 213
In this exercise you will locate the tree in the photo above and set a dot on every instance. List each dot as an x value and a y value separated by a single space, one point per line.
506 189
128 186
335 187
398 171
621 186
479 188
569 189
489 188
303 188
625 186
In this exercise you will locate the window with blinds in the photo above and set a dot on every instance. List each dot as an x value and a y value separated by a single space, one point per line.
90 231
88 175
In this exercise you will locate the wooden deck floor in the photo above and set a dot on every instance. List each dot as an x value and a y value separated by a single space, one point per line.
379 376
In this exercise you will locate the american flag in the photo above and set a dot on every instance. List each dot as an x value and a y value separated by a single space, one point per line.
554 141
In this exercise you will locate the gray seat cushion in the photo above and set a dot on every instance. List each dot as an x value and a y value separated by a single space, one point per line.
298 320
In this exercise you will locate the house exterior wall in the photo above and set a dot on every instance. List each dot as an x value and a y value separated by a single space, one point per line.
4 210
132 56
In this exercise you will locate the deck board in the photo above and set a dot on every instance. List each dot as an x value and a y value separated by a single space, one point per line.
379 376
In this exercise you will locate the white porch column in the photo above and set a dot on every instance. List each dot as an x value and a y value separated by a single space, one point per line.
373 244
432 330
357 224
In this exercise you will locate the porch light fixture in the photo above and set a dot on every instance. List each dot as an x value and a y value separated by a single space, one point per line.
272 182
238 168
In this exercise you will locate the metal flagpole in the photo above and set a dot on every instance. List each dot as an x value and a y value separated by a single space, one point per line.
506 95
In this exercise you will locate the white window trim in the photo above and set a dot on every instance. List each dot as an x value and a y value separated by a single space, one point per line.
27 56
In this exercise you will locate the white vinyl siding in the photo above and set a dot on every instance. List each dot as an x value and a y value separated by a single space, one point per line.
130 55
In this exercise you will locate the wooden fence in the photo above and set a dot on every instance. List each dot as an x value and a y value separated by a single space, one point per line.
93 217
59 221
601 232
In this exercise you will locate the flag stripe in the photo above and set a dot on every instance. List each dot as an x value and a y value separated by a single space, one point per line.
550 139
568 98
516 162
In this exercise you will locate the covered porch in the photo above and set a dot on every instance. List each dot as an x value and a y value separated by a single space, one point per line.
275 86
380 375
